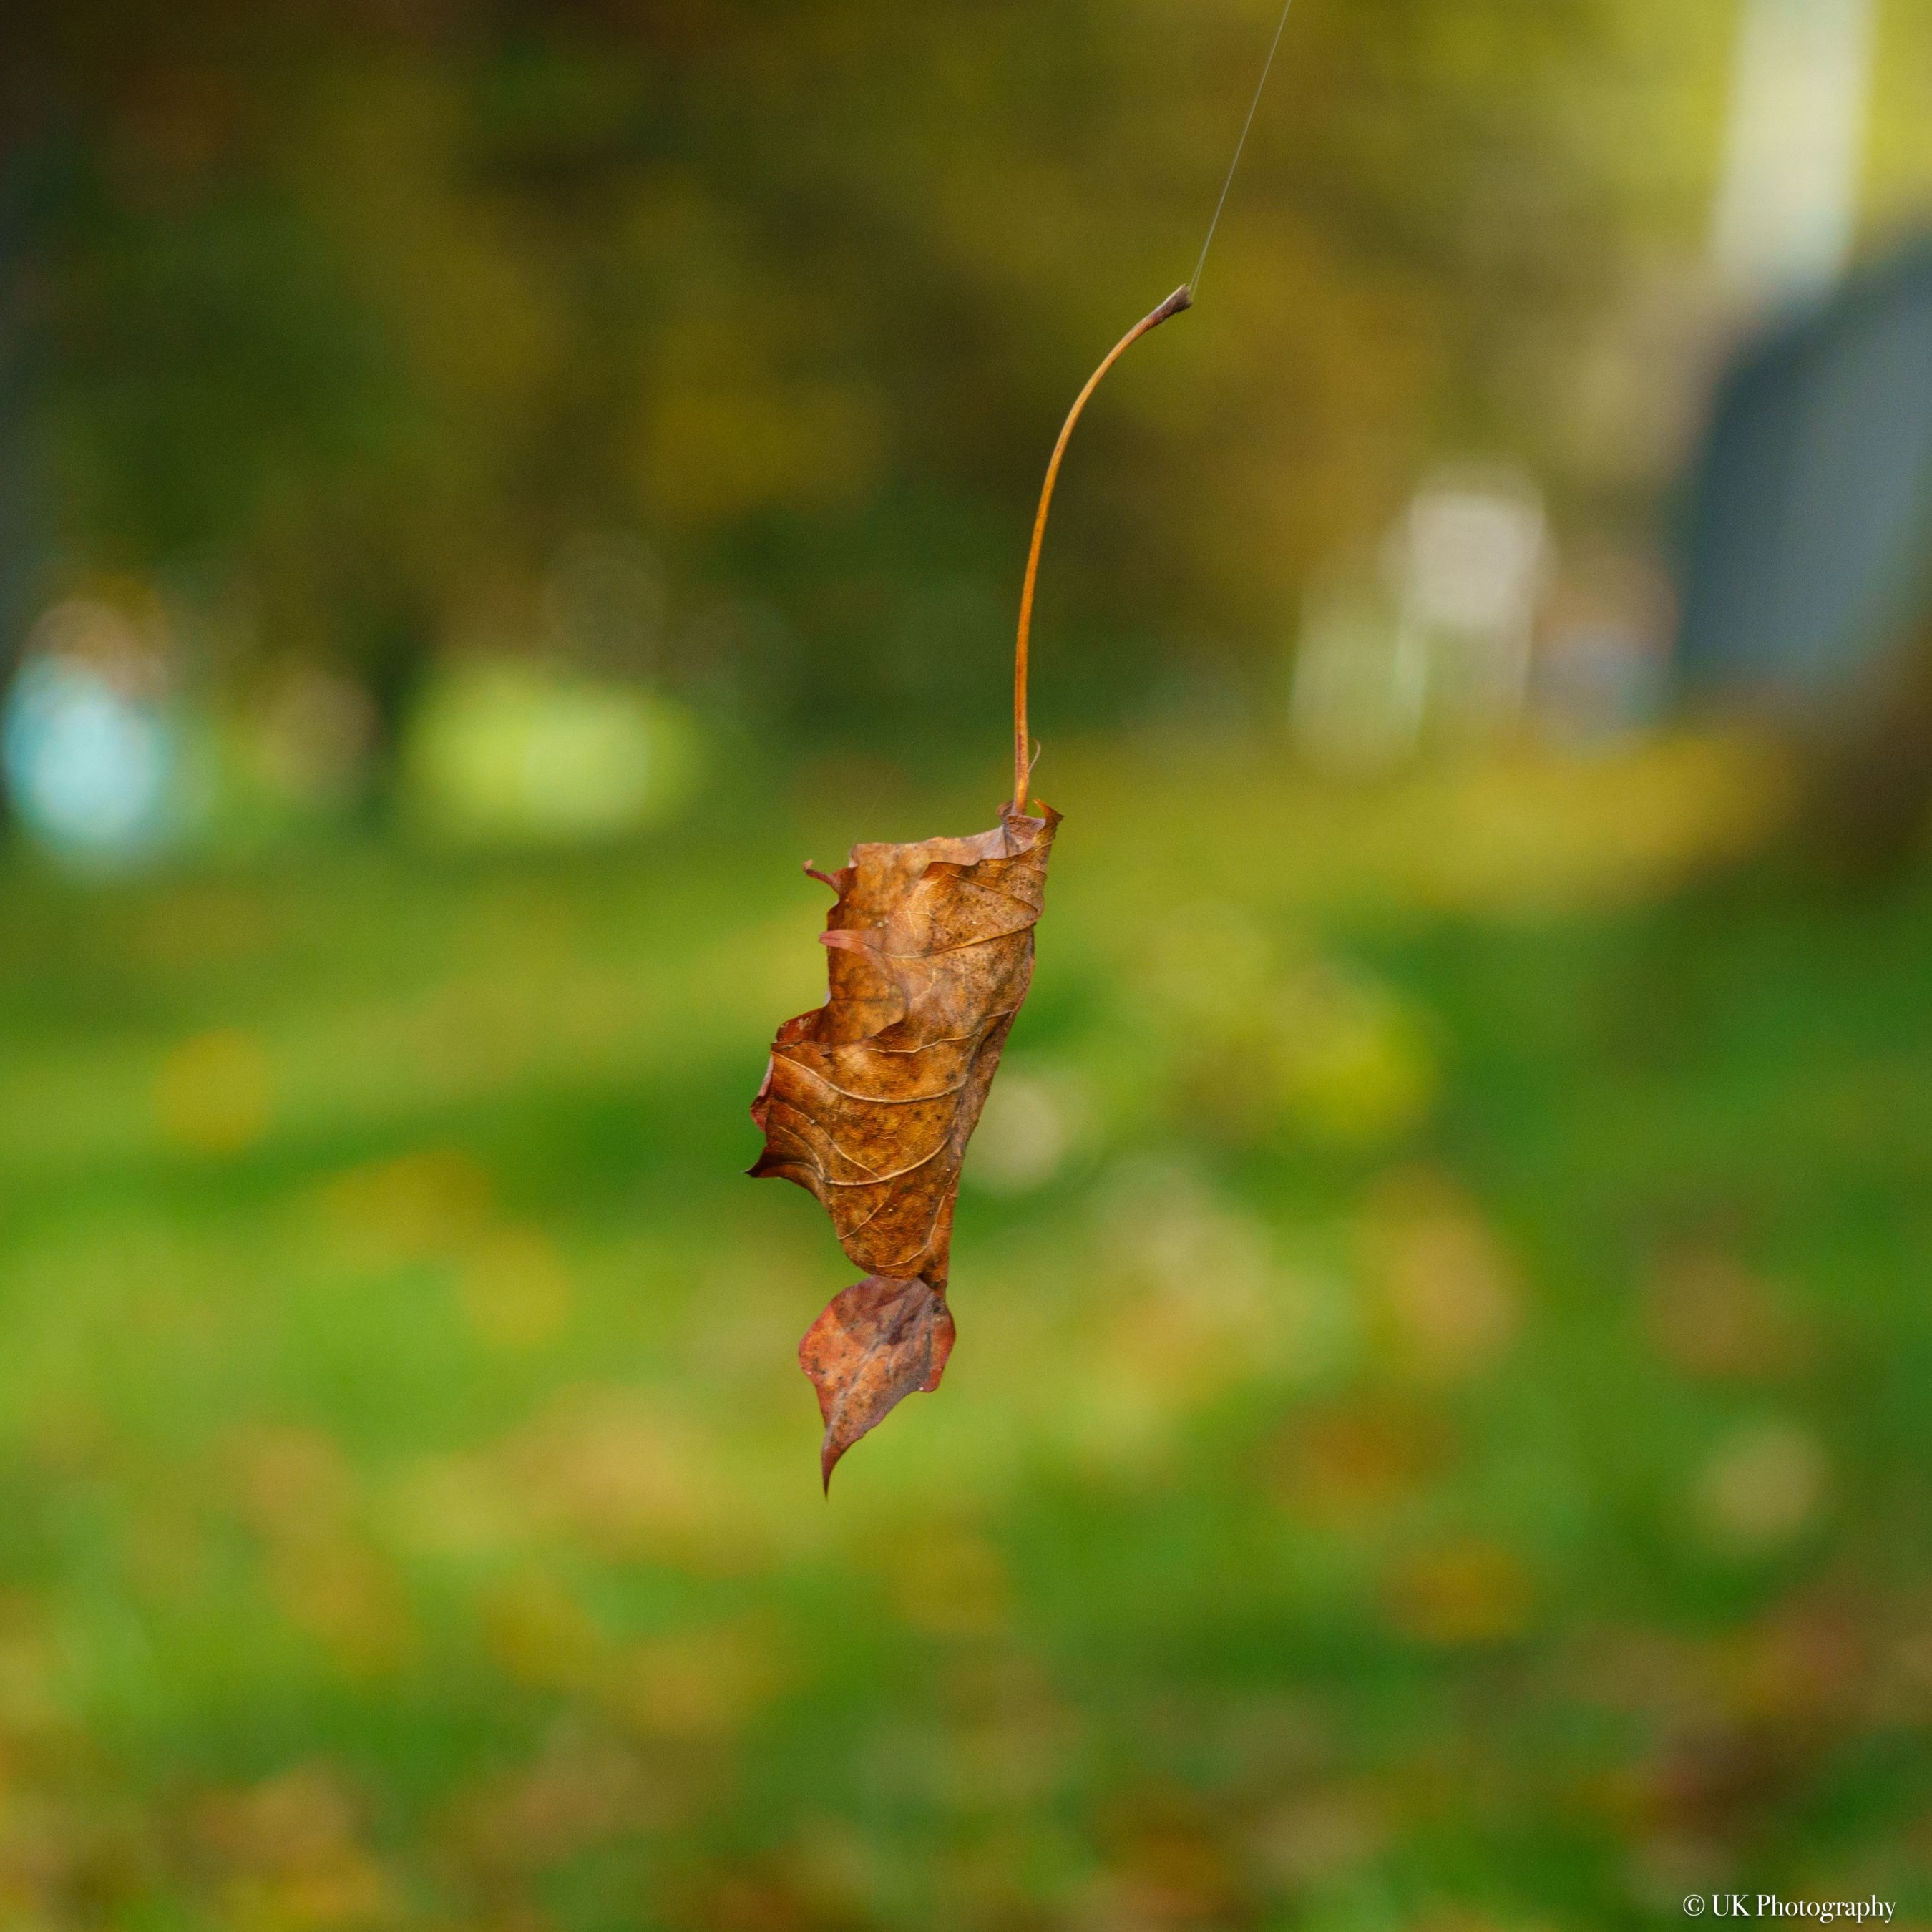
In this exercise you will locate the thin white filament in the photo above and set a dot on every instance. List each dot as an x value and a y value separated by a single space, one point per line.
1240 147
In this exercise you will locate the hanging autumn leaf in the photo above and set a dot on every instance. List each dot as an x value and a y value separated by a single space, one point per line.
869 1102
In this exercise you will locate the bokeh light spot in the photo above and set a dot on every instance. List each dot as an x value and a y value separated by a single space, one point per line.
214 1093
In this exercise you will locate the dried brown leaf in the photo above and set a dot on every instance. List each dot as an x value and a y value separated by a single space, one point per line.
877 1342
869 1101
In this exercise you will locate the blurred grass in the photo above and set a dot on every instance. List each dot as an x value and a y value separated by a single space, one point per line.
1438 1436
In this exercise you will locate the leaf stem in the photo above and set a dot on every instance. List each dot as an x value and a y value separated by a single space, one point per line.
1182 298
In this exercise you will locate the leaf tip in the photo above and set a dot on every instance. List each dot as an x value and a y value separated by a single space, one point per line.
877 1342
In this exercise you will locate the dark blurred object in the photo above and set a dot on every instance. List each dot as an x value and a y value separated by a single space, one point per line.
1807 587
22 169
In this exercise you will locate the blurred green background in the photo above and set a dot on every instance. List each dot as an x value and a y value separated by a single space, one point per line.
1439 1436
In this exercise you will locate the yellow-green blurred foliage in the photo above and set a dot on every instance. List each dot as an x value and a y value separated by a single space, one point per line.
349 322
